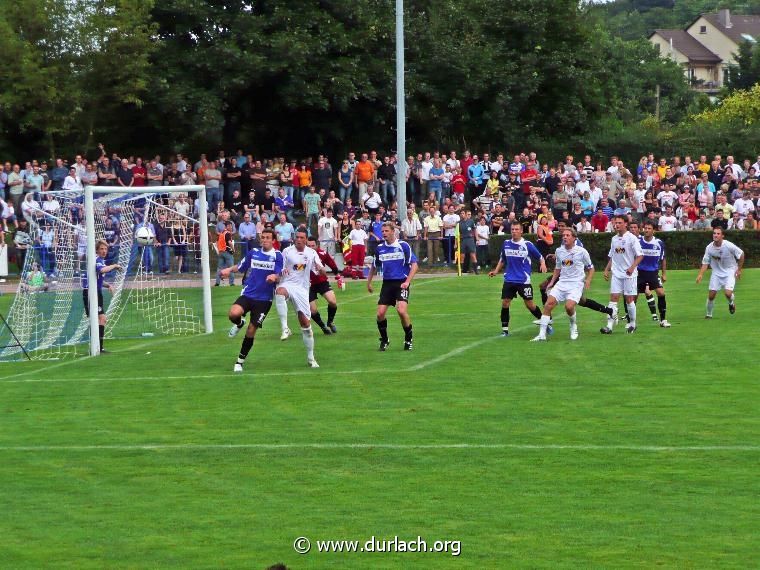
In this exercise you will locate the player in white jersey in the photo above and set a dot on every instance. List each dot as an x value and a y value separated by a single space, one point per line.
572 276
624 258
298 262
726 261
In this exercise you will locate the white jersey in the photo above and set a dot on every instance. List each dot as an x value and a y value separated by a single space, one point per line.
623 252
298 265
573 264
722 260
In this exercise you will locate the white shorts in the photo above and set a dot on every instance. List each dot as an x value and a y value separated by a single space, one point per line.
567 292
625 285
298 297
718 282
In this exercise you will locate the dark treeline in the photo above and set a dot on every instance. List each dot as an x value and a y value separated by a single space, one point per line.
280 77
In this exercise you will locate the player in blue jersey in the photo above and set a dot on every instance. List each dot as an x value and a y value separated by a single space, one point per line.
101 269
516 255
264 266
649 276
398 264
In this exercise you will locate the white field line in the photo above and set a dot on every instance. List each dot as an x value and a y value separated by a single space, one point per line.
388 446
227 375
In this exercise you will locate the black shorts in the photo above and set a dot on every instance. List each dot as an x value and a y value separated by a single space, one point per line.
391 292
319 289
651 278
511 290
257 309
86 301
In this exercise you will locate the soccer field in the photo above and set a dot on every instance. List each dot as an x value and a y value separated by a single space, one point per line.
612 451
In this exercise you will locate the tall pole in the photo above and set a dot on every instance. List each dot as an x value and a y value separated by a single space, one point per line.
400 113
657 102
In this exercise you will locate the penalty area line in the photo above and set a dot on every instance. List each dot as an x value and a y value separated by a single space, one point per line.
384 446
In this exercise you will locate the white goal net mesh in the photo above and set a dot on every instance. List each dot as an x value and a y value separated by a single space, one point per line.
157 291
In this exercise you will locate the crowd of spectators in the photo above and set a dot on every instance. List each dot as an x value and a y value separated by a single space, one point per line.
353 196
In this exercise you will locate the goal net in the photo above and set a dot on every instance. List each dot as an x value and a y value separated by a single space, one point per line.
158 291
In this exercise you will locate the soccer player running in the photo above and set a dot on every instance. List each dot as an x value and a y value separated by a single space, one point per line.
649 277
264 266
101 249
572 276
321 286
633 227
624 257
585 302
726 261
399 265
299 261
516 254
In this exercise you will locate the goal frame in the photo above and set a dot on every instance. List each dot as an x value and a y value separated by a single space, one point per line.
92 292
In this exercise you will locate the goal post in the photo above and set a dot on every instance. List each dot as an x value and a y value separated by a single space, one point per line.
89 210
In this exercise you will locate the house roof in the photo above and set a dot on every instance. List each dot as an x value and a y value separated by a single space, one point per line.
688 45
740 24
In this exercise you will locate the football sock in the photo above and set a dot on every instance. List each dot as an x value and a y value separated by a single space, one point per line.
572 318
382 326
331 310
408 333
101 333
611 306
237 321
245 349
632 313
317 318
650 303
505 318
545 319
308 342
710 305
281 304
536 313
595 306
662 306
731 300
625 307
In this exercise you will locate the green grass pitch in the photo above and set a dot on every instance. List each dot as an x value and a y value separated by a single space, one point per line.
609 452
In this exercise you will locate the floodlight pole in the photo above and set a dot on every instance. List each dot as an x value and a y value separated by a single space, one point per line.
400 114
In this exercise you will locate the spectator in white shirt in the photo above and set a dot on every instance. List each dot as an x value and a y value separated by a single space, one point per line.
584 226
668 222
744 205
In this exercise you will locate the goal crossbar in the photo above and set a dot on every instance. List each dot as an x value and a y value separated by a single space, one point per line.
89 205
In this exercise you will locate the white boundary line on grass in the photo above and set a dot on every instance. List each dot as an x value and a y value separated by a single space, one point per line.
383 446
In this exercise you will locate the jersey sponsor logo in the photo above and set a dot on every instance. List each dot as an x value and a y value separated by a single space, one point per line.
391 256
267 265
299 266
619 250
716 257
568 262
515 252
652 252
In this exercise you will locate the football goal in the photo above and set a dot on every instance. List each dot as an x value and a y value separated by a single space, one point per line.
157 243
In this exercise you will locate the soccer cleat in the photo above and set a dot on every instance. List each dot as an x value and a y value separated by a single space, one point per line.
538 338
312 363
665 324
326 331
477 270
605 330
630 329
333 328
384 345
655 318
573 332
237 367
708 316
505 334
285 334
407 345
549 330
234 329
731 308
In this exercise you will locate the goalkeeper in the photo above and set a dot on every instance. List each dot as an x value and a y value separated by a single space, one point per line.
101 248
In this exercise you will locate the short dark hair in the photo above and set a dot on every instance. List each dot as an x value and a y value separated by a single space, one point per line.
268 231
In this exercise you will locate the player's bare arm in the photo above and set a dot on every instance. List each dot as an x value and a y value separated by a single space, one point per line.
740 263
589 277
607 270
664 269
369 278
496 269
633 267
412 272
701 273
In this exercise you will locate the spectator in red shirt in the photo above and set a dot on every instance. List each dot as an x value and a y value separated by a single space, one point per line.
600 221
139 173
458 182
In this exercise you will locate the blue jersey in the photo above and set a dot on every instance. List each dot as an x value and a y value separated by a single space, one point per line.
260 264
395 259
100 263
579 243
516 259
654 253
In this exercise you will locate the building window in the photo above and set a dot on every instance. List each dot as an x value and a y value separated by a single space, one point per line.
702 29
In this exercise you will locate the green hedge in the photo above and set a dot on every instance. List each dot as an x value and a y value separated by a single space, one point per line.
684 250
